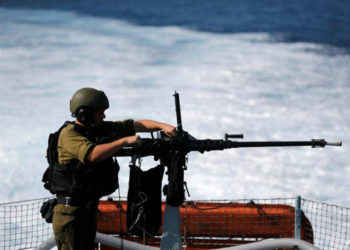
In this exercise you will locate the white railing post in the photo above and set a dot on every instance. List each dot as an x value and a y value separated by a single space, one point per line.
297 224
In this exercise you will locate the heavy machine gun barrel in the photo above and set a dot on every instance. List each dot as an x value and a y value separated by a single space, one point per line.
160 147
172 152
315 143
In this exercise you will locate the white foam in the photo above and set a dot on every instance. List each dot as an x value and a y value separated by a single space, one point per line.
227 82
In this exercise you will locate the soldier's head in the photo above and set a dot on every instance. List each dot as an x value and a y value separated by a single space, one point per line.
88 105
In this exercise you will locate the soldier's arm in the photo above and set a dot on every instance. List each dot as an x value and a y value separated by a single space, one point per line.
104 151
150 125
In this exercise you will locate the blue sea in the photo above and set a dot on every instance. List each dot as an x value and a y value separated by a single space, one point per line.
271 69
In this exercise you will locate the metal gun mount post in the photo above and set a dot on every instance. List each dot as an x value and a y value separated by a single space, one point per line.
171 235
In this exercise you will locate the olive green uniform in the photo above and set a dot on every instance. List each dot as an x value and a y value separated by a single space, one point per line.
75 226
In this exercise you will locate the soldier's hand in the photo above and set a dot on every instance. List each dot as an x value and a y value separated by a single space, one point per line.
168 129
132 140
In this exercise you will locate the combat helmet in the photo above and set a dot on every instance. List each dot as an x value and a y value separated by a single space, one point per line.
86 101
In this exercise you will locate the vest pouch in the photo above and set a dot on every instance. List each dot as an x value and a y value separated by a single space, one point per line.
64 180
46 179
110 181
102 179
46 210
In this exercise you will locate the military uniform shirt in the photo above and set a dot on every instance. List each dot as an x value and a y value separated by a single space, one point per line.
73 145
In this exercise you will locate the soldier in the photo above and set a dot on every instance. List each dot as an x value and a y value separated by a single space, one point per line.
86 169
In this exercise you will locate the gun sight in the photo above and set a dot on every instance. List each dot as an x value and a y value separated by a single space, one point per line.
237 136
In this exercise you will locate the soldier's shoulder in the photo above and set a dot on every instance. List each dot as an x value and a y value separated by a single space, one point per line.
69 130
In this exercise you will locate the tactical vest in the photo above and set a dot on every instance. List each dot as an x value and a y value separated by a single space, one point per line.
76 179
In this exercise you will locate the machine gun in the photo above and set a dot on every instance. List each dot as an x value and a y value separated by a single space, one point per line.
172 152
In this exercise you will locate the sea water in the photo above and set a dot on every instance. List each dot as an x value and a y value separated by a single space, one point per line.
268 83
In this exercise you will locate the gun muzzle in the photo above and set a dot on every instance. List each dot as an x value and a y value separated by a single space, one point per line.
334 143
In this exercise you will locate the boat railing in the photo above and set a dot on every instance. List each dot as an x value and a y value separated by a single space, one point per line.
120 243
324 225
